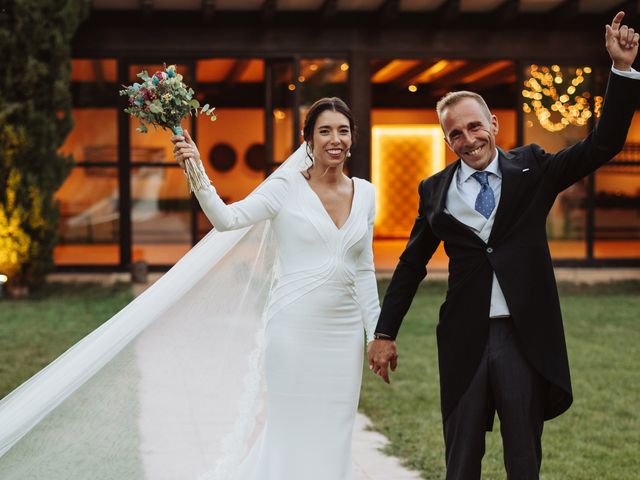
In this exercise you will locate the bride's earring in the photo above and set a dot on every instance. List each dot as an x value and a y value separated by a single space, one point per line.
310 152
348 153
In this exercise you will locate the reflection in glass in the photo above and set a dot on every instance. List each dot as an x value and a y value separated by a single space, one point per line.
617 204
89 220
236 183
321 77
153 146
94 137
94 70
160 214
566 223
284 86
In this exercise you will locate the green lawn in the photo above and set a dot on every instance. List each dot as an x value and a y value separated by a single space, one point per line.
598 438
34 331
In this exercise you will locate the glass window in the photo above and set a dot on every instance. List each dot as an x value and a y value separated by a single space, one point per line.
89 218
233 157
322 77
94 70
282 91
558 104
160 215
617 202
233 147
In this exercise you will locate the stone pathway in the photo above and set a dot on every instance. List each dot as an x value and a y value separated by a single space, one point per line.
369 462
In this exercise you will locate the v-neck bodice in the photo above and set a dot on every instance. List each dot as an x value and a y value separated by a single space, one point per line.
315 196
311 249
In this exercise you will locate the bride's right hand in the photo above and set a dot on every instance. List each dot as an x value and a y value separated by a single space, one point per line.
183 148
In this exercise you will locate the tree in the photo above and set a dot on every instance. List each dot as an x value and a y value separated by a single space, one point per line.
35 118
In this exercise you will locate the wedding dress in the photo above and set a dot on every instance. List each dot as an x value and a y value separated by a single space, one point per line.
243 362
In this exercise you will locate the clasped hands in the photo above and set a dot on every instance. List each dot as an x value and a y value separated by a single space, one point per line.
184 148
382 356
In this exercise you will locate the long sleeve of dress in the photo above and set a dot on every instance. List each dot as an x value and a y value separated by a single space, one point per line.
366 286
262 204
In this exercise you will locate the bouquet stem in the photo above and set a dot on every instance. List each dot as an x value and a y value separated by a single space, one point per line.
193 170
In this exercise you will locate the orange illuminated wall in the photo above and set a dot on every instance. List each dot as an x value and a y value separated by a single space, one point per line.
239 128
398 171
402 155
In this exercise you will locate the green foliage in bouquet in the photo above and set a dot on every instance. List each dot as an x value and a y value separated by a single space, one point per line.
163 100
35 118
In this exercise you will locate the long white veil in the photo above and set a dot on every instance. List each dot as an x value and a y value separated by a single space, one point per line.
170 387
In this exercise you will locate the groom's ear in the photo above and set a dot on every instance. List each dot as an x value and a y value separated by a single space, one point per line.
495 126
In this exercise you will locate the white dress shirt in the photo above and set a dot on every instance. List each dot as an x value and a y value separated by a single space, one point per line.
469 187
628 73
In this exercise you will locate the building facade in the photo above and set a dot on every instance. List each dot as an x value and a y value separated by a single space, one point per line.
540 64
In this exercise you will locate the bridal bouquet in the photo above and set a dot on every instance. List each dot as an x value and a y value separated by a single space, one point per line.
163 100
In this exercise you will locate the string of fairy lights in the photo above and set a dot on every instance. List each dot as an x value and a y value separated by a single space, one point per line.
557 100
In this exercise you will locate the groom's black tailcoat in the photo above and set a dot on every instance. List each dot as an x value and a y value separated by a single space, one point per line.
517 251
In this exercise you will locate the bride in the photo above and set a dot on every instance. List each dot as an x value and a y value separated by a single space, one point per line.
244 361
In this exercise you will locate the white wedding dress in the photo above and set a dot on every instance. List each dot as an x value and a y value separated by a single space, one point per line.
243 362
322 301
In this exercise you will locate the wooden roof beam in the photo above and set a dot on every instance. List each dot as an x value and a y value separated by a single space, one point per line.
568 9
268 10
388 11
506 74
377 65
405 78
329 9
235 72
146 7
630 8
454 78
208 9
448 12
506 12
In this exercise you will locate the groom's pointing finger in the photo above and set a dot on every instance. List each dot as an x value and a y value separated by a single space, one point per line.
617 20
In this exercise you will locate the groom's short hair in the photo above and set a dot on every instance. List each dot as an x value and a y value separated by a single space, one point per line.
452 98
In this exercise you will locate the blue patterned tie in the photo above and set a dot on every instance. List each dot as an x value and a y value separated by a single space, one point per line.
485 201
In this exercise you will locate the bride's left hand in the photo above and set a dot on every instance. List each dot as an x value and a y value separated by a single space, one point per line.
184 148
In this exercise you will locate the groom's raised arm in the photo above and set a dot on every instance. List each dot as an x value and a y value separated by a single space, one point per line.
609 135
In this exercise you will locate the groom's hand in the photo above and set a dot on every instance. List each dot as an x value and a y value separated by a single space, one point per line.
621 43
382 355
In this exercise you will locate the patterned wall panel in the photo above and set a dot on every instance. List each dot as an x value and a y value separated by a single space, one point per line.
402 155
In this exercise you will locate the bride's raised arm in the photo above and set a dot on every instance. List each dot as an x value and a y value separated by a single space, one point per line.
260 205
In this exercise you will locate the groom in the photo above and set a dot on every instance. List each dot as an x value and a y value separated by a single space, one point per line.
501 344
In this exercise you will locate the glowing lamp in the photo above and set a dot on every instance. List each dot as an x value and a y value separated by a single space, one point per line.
3 280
